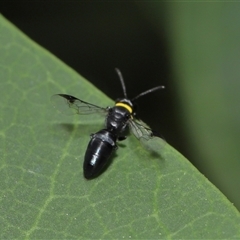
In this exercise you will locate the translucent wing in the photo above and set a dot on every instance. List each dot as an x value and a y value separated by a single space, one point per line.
70 105
141 131
146 136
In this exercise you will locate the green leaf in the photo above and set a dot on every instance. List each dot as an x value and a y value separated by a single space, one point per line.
153 193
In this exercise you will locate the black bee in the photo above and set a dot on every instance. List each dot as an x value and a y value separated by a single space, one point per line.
103 143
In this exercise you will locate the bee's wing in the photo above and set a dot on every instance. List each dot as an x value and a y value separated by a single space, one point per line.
140 130
146 136
71 105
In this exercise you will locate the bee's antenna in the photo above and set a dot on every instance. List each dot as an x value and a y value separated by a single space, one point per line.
122 82
148 91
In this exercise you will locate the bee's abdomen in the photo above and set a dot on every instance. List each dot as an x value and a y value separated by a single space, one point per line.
99 150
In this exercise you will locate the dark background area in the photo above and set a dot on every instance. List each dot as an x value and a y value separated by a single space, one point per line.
95 37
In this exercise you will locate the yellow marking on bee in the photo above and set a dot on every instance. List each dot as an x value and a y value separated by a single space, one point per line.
124 105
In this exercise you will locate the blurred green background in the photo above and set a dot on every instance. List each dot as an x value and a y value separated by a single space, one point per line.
190 47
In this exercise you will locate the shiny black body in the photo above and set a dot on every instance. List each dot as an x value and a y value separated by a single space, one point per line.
99 150
103 143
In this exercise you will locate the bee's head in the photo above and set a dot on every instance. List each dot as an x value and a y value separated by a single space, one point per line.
127 102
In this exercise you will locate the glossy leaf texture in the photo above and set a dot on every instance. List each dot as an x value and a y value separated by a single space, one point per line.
154 193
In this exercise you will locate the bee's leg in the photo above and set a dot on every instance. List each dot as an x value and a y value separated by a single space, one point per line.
121 138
